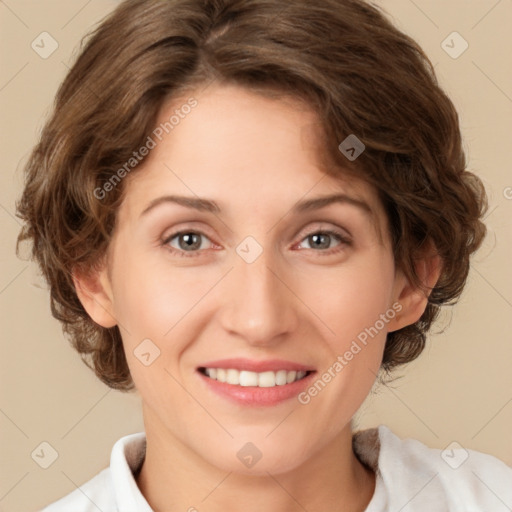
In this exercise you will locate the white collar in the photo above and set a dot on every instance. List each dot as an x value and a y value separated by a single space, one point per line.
128 454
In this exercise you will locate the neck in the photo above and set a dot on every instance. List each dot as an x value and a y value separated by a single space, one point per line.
173 477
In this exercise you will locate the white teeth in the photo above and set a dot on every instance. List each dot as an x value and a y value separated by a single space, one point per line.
245 378
281 377
232 377
248 378
211 372
291 376
266 380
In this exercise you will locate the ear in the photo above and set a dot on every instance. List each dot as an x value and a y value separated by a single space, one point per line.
94 291
413 299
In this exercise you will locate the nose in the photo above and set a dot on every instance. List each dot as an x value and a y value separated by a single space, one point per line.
260 307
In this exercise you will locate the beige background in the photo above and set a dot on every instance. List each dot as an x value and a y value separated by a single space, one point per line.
461 387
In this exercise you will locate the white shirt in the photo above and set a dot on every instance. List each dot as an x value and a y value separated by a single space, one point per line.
410 477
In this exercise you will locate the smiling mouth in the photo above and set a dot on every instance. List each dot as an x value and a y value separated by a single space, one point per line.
246 378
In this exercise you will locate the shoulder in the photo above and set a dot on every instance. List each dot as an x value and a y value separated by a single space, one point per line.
94 495
114 488
455 478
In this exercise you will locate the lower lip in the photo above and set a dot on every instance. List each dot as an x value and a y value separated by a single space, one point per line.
256 396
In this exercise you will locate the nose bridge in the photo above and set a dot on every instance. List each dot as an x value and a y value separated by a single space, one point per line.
259 306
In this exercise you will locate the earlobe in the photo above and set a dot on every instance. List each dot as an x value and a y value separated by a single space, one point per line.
95 293
414 299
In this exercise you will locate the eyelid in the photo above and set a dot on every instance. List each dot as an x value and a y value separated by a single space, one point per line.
344 241
167 238
200 228
343 236
324 226
312 228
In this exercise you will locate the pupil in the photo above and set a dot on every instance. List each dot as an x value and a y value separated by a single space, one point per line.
317 238
189 240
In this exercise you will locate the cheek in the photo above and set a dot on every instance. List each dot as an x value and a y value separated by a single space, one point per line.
351 305
151 297
157 303
151 305
353 298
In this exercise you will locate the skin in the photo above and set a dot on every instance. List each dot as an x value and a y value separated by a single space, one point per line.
255 157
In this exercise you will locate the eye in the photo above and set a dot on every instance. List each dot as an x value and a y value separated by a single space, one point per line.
322 240
186 241
189 243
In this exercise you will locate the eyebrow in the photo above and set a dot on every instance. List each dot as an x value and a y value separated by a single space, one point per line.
208 205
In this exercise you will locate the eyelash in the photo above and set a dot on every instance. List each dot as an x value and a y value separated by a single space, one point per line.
343 239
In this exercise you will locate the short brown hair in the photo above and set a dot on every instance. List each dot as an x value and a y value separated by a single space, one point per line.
353 67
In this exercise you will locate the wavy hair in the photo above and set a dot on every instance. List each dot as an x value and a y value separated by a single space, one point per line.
359 73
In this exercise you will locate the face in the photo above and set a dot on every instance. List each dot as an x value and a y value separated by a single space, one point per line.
252 288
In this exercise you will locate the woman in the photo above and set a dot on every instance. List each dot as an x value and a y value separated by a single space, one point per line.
249 210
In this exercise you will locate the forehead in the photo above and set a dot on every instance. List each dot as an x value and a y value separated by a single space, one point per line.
250 153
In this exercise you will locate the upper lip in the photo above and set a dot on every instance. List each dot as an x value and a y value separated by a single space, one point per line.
257 366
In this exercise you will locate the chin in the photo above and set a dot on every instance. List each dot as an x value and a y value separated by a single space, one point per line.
245 458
